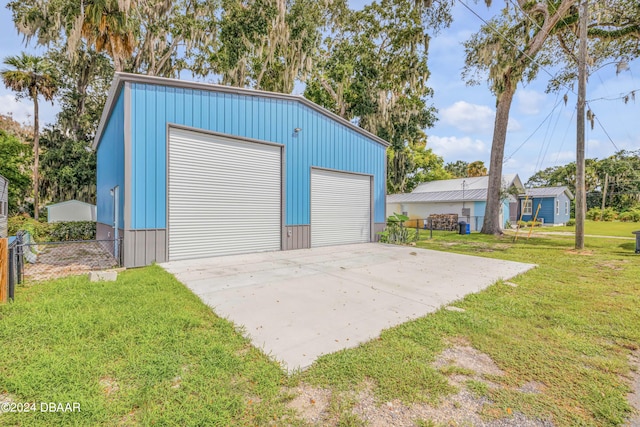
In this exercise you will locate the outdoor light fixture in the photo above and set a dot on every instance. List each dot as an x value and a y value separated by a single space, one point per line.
296 131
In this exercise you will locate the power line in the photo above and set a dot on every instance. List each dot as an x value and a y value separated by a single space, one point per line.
602 127
533 133
566 131
622 96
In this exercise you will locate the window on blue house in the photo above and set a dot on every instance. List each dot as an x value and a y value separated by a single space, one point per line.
527 207
566 208
557 207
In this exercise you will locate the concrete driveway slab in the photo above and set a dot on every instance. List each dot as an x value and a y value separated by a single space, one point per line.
299 305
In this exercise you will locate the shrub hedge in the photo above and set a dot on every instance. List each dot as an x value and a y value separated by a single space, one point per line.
54 232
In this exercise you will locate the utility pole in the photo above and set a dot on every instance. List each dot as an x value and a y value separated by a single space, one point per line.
604 194
581 197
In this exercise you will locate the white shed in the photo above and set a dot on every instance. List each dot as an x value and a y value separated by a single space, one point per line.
72 210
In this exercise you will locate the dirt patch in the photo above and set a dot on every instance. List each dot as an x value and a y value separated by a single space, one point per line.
6 398
466 357
68 259
532 387
613 265
465 408
312 404
109 385
461 409
582 252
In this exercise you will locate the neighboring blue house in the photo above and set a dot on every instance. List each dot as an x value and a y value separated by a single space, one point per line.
554 202
196 170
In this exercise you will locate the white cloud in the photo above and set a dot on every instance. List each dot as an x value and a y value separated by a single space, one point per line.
468 117
21 111
562 157
514 125
530 101
473 118
454 148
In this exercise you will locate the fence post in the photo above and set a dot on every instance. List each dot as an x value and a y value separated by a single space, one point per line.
4 270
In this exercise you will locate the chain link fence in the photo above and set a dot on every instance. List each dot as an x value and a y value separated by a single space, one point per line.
49 260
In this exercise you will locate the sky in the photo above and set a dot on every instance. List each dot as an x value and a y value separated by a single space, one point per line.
539 135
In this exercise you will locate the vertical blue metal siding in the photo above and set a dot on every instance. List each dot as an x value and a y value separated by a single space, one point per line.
110 166
321 142
547 209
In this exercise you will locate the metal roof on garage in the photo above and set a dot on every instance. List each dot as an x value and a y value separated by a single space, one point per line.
439 196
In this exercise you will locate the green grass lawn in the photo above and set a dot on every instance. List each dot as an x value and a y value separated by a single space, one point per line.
599 228
144 350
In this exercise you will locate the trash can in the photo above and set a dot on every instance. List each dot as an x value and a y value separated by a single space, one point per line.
468 229
637 233
462 227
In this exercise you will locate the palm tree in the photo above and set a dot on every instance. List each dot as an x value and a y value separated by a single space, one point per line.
31 77
106 25
476 168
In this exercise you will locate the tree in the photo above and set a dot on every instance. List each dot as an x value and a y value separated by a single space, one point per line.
457 169
83 89
68 168
623 183
508 63
267 44
476 168
143 36
15 158
506 48
411 166
31 77
372 70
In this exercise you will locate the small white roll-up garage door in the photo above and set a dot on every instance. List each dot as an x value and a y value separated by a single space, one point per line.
224 195
340 208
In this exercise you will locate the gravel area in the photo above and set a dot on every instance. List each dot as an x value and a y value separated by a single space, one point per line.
68 259
461 409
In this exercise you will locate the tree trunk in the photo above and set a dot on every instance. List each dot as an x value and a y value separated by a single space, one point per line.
491 223
36 156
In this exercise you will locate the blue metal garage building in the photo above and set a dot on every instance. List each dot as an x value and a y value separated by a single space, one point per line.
196 170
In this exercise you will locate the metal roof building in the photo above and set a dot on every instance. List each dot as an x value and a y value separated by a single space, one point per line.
465 197
189 170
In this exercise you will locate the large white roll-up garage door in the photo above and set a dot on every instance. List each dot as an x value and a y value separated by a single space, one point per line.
224 195
340 208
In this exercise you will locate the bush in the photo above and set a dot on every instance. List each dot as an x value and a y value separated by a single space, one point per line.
38 230
55 232
594 214
396 232
630 216
571 222
524 224
73 230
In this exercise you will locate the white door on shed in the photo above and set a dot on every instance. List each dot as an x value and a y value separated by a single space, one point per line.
224 195
340 208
